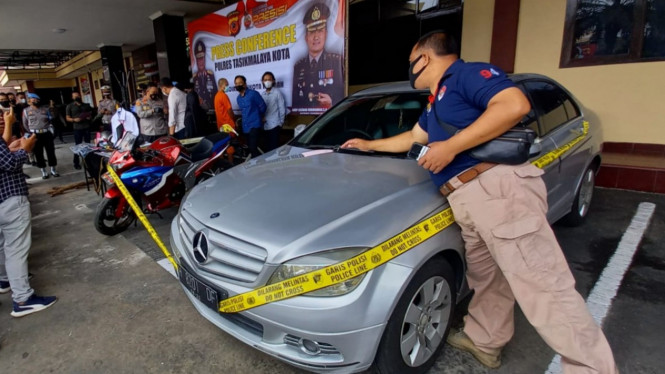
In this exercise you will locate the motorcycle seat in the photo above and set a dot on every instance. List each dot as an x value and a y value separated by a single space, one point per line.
204 148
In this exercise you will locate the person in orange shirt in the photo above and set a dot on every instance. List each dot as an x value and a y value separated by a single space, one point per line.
223 109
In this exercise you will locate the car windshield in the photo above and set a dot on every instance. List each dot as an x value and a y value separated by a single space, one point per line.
366 117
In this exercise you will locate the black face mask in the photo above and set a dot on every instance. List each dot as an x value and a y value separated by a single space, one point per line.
240 88
154 97
78 100
12 101
4 103
413 76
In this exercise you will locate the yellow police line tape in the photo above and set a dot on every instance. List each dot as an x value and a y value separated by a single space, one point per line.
141 216
344 270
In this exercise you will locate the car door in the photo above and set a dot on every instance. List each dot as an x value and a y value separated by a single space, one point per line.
560 123
552 171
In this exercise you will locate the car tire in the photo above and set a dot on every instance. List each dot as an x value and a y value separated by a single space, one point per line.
582 200
419 325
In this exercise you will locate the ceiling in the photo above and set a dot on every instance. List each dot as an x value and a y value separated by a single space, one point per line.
29 24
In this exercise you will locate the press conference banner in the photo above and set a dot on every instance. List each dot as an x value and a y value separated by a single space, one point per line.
300 41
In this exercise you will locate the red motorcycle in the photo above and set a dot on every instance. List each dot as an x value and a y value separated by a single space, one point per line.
157 176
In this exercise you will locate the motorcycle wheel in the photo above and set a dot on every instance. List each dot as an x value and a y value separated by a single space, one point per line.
105 220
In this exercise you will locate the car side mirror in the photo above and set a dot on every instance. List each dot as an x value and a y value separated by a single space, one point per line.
300 128
535 149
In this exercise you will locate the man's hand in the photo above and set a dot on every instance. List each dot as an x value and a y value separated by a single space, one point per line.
77 120
15 145
325 100
438 157
24 144
9 117
357 143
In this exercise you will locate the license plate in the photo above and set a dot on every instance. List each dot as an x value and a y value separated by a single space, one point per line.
204 293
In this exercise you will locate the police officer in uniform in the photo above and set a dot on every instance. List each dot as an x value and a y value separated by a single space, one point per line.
106 107
317 79
204 80
37 120
150 110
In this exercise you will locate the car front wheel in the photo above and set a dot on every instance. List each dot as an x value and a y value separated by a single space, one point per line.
582 200
417 329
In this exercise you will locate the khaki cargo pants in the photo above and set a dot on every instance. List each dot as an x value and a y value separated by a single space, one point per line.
512 254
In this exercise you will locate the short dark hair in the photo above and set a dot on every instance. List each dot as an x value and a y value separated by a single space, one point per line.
268 73
440 42
3 94
20 93
166 82
244 80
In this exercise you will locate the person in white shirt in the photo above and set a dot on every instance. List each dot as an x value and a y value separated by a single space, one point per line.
177 101
275 111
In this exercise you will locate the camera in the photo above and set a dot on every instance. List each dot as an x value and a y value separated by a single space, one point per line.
417 151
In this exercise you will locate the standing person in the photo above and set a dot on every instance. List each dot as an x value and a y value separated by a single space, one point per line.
511 251
54 112
106 107
253 108
177 105
318 80
37 120
196 119
5 106
204 80
275 111
79 113
21 104
223 109
150 110
15 226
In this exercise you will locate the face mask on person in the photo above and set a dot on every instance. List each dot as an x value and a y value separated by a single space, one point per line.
12 101
413 76
4 103
227 89
78 100
267 84
35 103
154 97
164 93
240 88
22 101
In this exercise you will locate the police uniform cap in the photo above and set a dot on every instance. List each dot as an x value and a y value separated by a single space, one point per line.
33 96
106 88
200 49
316 16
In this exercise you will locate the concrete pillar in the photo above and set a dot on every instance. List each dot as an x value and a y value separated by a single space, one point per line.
170 43
114 71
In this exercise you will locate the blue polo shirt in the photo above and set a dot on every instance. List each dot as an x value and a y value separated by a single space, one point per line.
253 108
464 92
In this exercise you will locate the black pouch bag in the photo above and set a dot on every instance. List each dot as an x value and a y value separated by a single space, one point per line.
510 148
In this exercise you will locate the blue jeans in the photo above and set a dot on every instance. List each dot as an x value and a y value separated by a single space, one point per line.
253 141
15 241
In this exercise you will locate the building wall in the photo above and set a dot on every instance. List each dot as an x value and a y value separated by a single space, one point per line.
626 99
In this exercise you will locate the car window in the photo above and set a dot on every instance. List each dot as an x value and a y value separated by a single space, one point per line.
529 120
552 104
365 117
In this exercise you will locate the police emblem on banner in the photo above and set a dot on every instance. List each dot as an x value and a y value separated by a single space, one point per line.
234 23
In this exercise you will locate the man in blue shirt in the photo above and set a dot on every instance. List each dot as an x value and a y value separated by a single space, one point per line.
253 108
275 112
511 251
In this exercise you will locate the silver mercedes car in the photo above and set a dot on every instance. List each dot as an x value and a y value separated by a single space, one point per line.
310 204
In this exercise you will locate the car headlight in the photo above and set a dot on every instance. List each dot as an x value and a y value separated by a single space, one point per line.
318 261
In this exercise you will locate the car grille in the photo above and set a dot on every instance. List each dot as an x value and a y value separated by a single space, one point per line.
227 256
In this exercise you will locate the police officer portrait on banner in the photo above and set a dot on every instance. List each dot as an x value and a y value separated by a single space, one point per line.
204 80
318 77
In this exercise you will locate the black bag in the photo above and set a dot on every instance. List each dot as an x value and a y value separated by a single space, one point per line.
510 148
